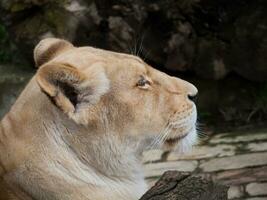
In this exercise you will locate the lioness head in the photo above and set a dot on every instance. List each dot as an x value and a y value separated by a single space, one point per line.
116 93
76 130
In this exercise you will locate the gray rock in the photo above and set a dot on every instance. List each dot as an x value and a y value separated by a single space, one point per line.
235 192
255 189
157 169
235 162
209 37
203 152
238 137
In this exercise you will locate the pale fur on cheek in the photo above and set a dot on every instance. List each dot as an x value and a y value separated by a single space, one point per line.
187 143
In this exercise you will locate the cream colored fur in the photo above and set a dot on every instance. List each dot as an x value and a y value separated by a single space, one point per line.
80 125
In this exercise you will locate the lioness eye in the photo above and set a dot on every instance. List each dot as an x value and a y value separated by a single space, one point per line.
142 82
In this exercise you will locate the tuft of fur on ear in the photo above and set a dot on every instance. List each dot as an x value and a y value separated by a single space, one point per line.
49 48
71 90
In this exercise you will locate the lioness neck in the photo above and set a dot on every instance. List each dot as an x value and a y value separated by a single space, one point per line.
10 143
62 160
99 160
69 165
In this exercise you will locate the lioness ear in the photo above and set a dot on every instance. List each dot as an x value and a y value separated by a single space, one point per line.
49 48
72 91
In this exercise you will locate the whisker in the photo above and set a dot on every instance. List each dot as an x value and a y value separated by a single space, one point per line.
201 134
140 46
166 134
158 142
158 138
154 142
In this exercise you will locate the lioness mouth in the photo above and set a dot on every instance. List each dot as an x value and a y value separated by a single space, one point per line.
174 140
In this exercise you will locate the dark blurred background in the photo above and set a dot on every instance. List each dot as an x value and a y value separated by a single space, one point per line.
220 46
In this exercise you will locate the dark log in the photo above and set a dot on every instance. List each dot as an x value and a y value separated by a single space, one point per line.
174 185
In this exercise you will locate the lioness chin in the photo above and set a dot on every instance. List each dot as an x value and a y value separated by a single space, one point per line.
78 128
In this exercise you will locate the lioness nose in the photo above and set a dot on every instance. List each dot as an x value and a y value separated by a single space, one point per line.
191 92
192 97
188 89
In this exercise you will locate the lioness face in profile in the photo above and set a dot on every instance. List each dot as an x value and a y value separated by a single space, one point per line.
118 93
83 120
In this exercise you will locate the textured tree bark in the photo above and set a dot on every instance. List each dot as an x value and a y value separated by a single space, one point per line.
174 185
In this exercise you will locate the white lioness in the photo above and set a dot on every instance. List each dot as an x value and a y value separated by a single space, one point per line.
77 130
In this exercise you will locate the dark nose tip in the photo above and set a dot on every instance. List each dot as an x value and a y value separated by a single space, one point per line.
192 97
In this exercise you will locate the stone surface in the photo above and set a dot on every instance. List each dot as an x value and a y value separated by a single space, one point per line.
262 146
238 160
157 169
235 192
235 162
237 138
255 189
241 176
202 152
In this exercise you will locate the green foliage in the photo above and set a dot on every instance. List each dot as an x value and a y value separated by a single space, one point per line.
204 114
3 34
5 46
262 98
8 51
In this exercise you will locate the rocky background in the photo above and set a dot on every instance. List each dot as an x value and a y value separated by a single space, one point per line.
221 46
